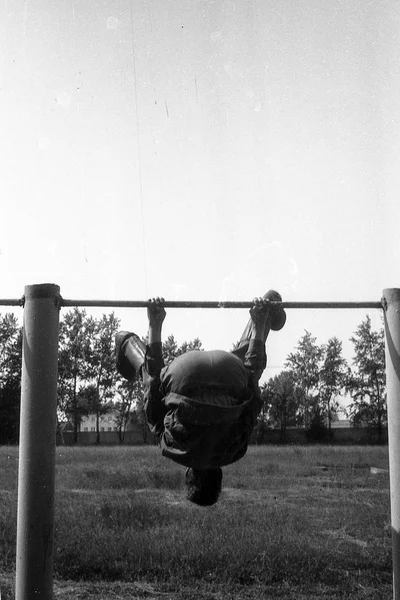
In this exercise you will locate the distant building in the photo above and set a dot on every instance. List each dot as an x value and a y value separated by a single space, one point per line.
107 422
341 423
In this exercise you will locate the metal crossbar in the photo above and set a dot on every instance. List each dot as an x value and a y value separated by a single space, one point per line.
216 304
12 302
200 304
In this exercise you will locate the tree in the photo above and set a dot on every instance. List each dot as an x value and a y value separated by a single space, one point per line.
86 366
75 333
262 424
171 349
283 398
129 404
101 364
139 413
188 346
10 349
332 377
10 377
366 382
305 364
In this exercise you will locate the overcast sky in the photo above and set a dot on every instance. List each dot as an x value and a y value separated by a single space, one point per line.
202 149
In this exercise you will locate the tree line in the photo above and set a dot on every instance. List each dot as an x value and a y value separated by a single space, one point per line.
307 393
316 378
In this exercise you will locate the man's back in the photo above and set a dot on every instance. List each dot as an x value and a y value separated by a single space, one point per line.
199 371
210 409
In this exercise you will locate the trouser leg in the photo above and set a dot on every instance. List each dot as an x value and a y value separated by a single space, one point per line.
276 320
129 354
252 352
154 408
242 346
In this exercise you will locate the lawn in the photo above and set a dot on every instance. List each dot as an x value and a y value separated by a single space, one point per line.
292 522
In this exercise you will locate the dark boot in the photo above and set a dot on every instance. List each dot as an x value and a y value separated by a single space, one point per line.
129 354
276 320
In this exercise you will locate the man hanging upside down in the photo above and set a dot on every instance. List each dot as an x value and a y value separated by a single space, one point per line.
202 407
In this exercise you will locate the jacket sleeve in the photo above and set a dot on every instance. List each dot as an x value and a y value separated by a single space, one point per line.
154 406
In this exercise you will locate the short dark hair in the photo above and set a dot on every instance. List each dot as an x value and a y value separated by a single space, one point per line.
203 485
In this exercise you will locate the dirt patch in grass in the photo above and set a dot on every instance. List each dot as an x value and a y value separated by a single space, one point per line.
142 590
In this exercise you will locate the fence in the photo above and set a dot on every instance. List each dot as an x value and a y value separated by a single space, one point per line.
107 438
340 436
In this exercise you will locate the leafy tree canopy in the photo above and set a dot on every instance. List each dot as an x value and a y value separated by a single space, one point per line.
366 381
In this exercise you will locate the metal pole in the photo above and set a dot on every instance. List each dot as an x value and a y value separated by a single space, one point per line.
391 300
216 304
34 560
11 302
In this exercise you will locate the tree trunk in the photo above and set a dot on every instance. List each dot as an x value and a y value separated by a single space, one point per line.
121 430
379 425
144 432
329 414
97 426
74 403
60 431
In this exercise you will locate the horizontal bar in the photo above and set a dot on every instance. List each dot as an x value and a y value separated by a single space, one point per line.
198 304
215 304
12 302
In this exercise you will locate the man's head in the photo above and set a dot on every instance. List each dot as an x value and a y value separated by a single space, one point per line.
203 486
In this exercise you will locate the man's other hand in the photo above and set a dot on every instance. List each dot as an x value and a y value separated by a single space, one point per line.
156 312
260 312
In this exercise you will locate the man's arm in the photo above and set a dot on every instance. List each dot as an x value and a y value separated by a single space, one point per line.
154 407
156 315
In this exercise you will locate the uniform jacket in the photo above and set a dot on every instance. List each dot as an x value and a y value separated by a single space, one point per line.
202 407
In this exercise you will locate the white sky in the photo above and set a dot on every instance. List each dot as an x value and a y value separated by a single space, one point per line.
202 149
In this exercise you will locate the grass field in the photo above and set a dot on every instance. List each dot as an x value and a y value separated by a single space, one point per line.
292 522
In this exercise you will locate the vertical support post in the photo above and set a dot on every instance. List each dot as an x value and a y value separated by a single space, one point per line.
34 560
391 302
